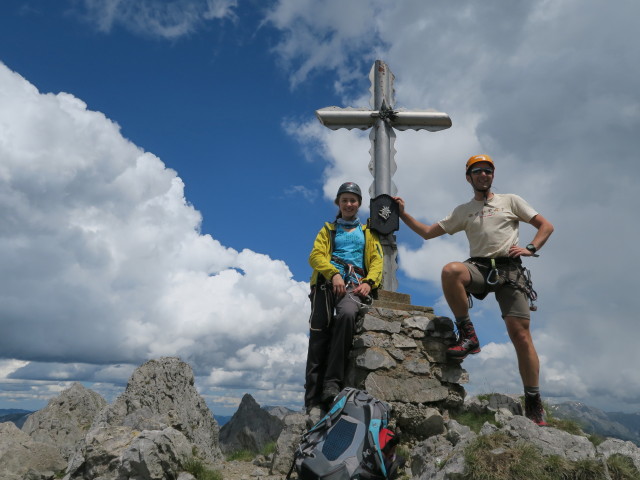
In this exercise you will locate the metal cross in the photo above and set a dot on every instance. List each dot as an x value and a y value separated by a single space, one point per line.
383 117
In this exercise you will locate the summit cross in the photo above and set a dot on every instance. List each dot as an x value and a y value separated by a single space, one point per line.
383 118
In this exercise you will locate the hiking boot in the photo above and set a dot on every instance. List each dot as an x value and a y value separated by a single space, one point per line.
534 410
328 394
467 343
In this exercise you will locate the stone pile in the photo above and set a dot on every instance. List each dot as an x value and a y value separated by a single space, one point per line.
399 356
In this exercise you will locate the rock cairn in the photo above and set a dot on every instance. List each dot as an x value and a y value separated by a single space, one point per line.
399 356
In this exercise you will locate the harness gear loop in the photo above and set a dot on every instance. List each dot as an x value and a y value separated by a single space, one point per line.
494 276
527 288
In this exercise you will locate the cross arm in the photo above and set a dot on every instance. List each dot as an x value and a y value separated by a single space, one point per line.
336 118
420 120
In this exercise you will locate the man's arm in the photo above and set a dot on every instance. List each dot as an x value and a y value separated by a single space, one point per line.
425 231
545 229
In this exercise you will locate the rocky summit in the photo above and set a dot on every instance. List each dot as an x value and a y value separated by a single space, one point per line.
160 424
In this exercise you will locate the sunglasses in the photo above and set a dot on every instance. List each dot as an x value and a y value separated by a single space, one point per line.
478 171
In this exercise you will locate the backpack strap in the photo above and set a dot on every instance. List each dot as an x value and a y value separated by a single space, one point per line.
378 421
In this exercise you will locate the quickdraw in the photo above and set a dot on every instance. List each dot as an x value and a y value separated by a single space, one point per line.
527 288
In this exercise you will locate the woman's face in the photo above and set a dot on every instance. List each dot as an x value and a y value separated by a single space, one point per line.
348 204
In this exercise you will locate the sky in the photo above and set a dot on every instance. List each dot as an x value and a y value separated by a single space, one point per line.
163 176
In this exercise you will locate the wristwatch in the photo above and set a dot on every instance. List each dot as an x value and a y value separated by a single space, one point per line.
532 248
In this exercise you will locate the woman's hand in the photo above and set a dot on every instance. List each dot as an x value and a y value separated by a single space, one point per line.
363 290
339 288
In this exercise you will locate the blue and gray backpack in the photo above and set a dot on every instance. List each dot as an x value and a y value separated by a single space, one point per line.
345 443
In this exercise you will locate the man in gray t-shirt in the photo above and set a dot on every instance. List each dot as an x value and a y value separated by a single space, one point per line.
491 223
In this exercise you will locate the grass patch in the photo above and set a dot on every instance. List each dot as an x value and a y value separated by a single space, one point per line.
497 457
569 426
268 449
484 396
491 457
475 421
596 439
198 469
622 468
241 455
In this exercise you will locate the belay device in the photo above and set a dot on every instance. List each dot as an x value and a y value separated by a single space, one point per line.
345 443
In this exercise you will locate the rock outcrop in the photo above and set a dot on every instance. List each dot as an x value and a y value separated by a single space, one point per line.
295 425
160 422
120 452
151 430
66 419
251 428
442 456
399 356
20 454
160 394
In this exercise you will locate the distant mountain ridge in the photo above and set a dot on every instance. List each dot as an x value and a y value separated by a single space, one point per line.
625 426
15 415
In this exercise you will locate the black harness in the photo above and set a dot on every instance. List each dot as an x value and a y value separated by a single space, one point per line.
494 275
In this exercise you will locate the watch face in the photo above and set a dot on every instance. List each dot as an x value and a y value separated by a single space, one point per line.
531 247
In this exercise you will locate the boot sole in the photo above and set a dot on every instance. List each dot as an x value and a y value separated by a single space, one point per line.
462 357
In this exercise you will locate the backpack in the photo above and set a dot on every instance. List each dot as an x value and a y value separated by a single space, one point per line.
345 443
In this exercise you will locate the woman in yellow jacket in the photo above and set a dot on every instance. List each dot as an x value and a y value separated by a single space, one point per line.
347 266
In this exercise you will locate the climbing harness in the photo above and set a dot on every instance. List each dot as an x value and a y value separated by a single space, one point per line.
352 274
353 277
496 275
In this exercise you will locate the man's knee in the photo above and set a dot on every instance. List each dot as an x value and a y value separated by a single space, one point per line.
455 272
519 332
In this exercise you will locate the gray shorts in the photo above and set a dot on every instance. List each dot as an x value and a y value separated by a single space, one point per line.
513 302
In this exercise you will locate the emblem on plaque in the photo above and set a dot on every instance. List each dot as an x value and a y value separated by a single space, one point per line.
385 214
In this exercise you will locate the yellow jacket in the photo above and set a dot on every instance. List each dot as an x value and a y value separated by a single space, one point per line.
320 257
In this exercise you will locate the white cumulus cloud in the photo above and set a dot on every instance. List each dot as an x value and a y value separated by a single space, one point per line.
104 265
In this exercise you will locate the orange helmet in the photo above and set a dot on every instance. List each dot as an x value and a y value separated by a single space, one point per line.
478 158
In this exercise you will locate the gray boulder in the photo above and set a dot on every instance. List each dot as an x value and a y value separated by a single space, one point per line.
66 419
120 452
21 455
160 394
550 441
442 456
250 428
294 426
614 446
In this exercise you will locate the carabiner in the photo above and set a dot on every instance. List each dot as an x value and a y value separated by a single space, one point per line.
493 271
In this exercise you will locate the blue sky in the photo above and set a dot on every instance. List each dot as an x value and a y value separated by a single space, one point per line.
162 178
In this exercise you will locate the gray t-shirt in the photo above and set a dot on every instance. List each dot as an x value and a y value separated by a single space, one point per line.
493 228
